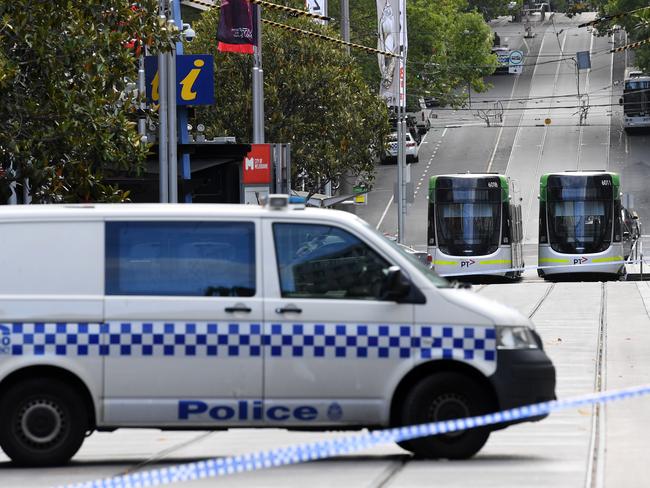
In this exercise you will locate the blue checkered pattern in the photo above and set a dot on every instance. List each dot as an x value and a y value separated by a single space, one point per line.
247 340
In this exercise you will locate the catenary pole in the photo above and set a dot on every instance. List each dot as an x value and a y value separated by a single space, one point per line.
172 138
258 82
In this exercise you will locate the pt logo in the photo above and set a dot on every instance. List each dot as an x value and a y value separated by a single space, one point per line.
580 260
5 339
466 263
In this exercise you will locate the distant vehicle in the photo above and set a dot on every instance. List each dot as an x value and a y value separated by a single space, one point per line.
503 58
580 222
635 100
474 225
432 102
422 122
410 146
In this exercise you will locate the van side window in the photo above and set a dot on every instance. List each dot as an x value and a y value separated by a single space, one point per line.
180 258
321 261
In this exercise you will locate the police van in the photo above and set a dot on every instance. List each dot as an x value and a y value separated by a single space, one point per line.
223 316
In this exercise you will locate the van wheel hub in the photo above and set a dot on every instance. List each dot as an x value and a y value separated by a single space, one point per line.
40 422
449 406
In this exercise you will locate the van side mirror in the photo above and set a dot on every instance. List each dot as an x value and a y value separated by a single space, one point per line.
396 286
620 101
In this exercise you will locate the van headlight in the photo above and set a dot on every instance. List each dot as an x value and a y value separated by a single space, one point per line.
517 337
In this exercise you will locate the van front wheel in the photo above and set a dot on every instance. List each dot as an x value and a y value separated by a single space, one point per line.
43 422
446 396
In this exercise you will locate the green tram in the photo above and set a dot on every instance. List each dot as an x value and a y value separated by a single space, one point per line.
581 225
474 225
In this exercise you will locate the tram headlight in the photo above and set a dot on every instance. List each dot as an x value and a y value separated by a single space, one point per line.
517 337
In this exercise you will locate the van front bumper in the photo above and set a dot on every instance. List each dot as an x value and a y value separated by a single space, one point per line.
523 377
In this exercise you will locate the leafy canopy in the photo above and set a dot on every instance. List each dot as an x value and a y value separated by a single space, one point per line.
315 98
65 115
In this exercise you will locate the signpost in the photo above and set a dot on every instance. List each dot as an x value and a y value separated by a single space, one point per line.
516 62
194 79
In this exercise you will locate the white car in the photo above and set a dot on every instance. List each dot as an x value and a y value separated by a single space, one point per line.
410 145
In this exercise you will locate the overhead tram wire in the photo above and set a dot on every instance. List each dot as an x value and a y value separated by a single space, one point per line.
609 17
303 13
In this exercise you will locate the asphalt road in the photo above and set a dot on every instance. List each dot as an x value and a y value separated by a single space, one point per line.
523 146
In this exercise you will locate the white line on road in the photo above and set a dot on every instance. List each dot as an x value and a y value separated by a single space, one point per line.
385 211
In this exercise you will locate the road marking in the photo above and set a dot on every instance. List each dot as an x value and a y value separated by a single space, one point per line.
581 130
532 79
535 181
385 211
611 93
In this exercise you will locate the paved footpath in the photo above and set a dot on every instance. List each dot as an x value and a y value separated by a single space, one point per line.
572 448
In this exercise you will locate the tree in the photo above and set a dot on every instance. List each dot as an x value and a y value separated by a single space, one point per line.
315 98
449 47
66 118
636 24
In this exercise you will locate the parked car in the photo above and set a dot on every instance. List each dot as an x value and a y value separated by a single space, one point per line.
410 145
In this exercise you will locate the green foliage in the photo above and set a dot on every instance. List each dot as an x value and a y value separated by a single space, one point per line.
315 98
65 116
449 47
637 26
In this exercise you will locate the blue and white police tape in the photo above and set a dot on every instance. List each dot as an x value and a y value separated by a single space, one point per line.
570 267
312 451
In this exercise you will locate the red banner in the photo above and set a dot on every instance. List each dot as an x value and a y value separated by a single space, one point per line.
256 168
236 31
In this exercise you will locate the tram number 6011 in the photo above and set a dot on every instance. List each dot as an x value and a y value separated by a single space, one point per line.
606 183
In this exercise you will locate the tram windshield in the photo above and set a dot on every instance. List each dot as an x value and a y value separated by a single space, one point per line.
580 215
636 98
468 220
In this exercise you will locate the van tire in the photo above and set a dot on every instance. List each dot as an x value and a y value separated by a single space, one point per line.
58 417
446 396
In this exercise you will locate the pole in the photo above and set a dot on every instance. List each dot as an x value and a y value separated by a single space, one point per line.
181 115
258 82
162 128
345 22
172 139
142 121
400 130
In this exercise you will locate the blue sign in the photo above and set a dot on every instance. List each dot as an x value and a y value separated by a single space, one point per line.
194 79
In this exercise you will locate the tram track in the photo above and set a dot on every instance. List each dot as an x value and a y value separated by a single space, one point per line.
539 303
595 472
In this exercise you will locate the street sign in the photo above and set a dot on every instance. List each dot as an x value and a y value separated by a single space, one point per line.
256 168
194 79
515 62
318 7
583 60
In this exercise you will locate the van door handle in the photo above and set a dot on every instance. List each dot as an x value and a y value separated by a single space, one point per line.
288 309
238 308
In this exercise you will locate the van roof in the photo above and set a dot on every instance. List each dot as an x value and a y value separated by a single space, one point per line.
101 211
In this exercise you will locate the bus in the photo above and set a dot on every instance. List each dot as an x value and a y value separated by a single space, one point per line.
635 100
580 224
474 225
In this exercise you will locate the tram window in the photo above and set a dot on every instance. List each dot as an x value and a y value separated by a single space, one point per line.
580 226
468 228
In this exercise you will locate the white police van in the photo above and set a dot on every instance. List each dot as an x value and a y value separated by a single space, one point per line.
218 316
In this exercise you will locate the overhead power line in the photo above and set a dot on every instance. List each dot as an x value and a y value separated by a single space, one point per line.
303 13
632 45
328 38
275 6
606 18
